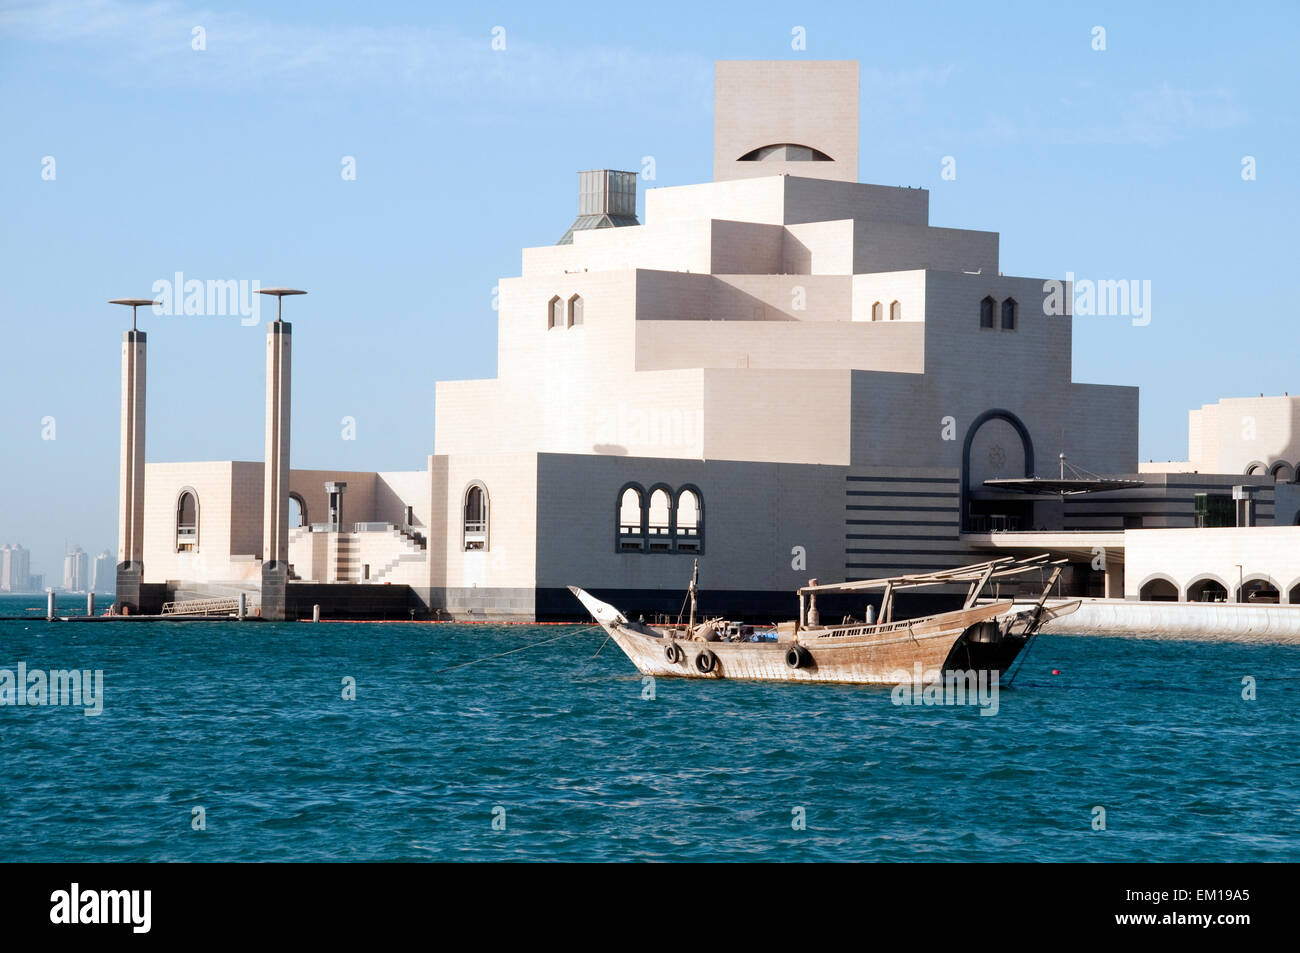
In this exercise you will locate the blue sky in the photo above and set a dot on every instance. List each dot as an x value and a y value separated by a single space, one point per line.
225 163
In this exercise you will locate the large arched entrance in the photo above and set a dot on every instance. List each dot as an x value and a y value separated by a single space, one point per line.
997 445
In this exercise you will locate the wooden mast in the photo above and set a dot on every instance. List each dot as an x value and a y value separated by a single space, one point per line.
695 575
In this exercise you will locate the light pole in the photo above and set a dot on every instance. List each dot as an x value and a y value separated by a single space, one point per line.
275 499
130 510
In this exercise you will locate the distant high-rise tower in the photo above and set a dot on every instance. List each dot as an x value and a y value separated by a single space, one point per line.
20 565
104 573
76 570
15 565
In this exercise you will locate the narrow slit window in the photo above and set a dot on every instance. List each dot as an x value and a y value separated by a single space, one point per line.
1009 314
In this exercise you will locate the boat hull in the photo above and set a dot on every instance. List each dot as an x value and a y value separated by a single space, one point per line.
865 655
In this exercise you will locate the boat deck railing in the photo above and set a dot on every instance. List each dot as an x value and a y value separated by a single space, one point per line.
854 630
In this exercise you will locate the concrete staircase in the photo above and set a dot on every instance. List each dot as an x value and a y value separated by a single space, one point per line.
347 565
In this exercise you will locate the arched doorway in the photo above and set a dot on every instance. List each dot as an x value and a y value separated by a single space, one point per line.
1158 589
1260 591
1207 589
997 445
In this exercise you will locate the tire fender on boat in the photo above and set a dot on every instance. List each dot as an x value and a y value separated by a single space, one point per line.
673 653
706 662
796 656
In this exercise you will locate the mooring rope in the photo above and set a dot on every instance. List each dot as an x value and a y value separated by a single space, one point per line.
1019 663
682 611
488 658
602 646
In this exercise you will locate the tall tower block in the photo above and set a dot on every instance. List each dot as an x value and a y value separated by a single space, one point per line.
130 508
275 482
791 117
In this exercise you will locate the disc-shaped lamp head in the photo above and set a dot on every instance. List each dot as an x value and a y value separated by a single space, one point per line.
134 303
279 294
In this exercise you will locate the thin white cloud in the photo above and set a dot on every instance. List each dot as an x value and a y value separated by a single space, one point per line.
151 44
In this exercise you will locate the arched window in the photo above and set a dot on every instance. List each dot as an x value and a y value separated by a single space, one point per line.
877 311
476 517
187 521
297 511
1282 472
895 311
575 310
690 521
555 313
660 520
986 312
1009 314
631 520
785 152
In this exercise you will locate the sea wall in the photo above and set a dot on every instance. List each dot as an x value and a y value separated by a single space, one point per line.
1206 622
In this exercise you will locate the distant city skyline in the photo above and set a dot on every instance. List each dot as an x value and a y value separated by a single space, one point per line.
81 572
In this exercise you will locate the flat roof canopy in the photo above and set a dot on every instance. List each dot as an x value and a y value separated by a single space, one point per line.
1041 485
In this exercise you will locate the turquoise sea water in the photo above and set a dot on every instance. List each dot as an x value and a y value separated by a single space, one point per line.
247 722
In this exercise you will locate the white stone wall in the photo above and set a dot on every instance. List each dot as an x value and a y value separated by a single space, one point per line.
1242 432
499 579
818 248
1184 556
891 246
221 521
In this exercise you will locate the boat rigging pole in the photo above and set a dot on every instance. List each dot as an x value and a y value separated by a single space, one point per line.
695 575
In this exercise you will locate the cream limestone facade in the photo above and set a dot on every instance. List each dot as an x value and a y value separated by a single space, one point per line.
769 108
783 374
1257 437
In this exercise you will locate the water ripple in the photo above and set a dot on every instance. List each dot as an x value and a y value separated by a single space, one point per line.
553 754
